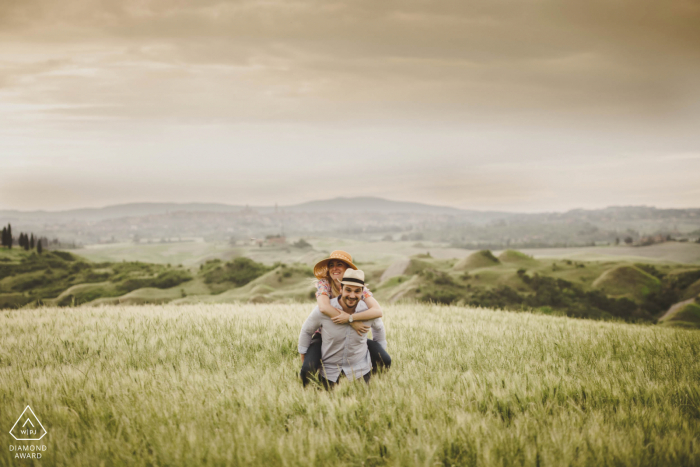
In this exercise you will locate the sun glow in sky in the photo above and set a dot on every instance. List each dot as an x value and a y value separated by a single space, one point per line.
506 105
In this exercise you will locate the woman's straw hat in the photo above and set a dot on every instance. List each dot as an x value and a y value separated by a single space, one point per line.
321 268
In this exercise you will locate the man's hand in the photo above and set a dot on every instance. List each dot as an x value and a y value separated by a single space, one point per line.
302 357
360 327
342 318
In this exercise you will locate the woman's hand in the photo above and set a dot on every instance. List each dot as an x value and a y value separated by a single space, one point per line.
342 318
360 327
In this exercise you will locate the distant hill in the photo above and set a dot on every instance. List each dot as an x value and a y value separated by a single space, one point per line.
357 204
365 204
375 205
361 218
117 211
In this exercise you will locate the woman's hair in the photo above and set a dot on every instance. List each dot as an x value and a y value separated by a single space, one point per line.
335 288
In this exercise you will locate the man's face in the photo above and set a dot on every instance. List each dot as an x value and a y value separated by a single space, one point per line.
351 295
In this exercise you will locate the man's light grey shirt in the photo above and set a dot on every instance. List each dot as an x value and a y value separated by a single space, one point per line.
342 348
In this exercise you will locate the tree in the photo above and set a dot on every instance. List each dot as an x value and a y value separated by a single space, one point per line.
9 236
31 242
4 236
301 244
39 248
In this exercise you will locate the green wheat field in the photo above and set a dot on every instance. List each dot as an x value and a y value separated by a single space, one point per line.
218 385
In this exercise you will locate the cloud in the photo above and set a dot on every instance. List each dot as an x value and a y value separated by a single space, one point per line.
488 102
308 59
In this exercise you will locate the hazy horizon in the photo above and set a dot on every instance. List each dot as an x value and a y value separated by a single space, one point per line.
282 206
508 106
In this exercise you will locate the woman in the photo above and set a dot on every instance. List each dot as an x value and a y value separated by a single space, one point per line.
329 272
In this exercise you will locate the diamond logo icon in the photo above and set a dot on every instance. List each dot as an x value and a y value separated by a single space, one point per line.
28 427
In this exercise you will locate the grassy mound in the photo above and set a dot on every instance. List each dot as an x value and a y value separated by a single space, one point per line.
83 293
64 279
397 268
416 266
406 288
480 259
13 300
627 281
688 316
239 272
517 258
693 290
282 284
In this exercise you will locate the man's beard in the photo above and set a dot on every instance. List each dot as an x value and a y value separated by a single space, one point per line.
353 305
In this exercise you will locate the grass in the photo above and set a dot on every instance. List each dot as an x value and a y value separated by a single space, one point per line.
217 384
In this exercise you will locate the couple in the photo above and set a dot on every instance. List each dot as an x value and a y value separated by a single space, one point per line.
333 338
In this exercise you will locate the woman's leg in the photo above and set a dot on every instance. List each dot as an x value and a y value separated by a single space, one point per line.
380 357
312 359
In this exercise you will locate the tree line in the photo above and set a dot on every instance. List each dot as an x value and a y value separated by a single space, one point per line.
26 241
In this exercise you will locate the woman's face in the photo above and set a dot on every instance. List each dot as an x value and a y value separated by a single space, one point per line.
336 269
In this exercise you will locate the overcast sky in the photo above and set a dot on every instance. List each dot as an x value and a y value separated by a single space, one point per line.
519 105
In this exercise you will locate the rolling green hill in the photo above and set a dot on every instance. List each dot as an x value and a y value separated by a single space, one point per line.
61 278
480 259
688 316
514 281
627 281
595 289
515 257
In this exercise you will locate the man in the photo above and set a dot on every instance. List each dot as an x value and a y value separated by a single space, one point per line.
343 350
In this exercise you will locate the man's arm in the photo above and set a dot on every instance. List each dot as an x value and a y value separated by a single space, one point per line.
312 323
378 332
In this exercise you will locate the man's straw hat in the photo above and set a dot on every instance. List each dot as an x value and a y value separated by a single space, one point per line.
353 277
321 268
